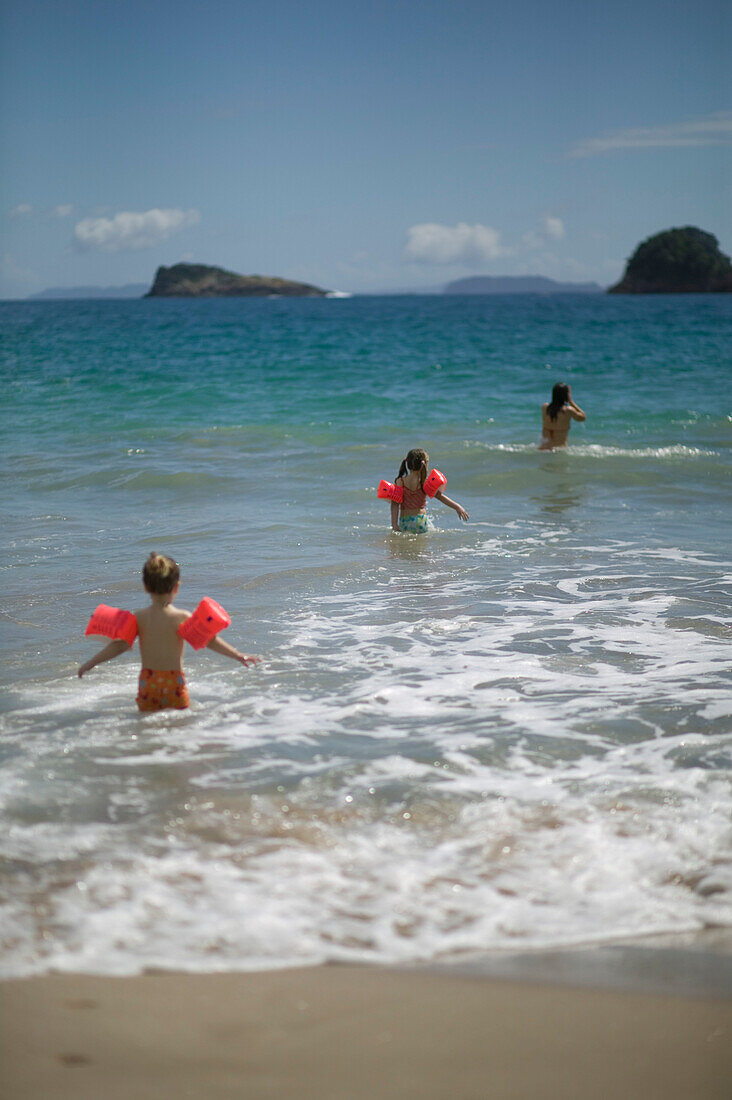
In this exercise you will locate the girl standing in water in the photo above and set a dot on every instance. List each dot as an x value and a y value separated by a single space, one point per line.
410 514
557 416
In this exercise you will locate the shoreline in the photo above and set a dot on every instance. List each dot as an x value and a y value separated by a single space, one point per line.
563 1024
676 964
693 963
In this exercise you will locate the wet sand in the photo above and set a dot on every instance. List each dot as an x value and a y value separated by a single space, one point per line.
355 1033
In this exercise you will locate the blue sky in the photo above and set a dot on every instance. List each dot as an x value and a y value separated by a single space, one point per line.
359 146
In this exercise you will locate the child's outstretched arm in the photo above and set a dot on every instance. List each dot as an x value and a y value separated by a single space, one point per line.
394 516
453 504
218 645
110 651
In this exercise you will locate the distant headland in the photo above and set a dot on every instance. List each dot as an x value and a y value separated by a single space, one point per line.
677 261
518 284
202 281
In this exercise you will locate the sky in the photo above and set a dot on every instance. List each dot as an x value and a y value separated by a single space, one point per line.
362 146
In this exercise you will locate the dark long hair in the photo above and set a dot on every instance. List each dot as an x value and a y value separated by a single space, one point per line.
560 396
416 460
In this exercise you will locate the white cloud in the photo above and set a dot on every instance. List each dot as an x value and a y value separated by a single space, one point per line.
21 211
63 210
130 230
552 229
446 244
714 129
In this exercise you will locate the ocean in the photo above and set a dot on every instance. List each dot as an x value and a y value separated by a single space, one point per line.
507 734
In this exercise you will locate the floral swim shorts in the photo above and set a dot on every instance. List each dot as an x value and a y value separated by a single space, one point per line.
159 689
414 524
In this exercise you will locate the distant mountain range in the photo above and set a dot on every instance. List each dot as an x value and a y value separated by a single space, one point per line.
227 284
676 261
518 284
131 290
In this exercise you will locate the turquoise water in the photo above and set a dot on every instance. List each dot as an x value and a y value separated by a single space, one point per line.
513 732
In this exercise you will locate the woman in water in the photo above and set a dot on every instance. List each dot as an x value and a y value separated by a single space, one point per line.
557 416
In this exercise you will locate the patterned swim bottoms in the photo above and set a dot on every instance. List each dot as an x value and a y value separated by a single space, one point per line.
159 689
414 524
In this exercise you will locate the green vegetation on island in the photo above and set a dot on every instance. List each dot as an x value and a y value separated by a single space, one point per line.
677 261
202 281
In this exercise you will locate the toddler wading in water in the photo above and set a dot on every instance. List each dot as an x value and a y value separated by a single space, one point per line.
162 682
410 515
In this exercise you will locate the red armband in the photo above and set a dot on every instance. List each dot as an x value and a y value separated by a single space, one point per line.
388 491
204 624
434 482
113 623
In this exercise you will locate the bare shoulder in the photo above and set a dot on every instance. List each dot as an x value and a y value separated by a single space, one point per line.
179 614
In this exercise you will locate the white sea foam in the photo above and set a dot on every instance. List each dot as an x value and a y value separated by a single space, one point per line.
593 853
438 762
596 450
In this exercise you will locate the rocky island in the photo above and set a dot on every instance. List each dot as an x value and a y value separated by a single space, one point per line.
202 281
677 261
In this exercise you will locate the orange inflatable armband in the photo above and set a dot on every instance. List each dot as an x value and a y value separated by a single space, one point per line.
388 491
204 624
113 623
434 482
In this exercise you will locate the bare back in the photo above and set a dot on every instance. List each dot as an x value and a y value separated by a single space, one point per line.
554 432
161 647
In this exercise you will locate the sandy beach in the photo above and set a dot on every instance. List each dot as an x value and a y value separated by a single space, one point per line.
352 1033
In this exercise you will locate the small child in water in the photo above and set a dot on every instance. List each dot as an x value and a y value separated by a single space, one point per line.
411 516
162 682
